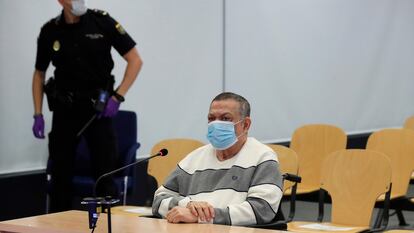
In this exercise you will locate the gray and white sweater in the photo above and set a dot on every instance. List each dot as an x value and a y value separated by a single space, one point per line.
243 190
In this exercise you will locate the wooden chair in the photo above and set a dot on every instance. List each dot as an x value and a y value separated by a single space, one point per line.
409 123
312 144
288 166
399 231
161 167
288 161
354 179
398 146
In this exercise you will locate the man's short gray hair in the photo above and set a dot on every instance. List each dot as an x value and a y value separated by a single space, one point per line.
244 109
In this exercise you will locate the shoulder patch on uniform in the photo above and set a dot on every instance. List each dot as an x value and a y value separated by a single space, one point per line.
120 29
100 12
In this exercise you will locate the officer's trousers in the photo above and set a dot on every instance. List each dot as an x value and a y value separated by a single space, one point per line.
102 144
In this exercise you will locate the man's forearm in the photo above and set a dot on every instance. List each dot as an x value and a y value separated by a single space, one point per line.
165 199
37 90
257 209
134 64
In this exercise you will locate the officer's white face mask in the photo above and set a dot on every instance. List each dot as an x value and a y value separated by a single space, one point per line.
79 7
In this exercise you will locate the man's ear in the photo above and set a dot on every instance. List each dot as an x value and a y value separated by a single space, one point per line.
246 123
63 3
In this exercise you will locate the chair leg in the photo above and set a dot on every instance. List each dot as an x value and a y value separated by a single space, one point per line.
48 181
47 204
125 190
292 203
321 204
379 217
401 218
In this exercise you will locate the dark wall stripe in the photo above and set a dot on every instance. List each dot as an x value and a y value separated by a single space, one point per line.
20 205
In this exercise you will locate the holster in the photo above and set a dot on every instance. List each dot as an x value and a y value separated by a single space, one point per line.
50 90
56 98
62 99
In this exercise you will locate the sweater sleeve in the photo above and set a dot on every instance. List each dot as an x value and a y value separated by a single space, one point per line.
167 195
262 202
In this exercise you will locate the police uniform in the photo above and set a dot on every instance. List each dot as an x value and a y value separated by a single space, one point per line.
81 54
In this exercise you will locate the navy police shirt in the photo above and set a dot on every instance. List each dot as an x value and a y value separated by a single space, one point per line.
81 52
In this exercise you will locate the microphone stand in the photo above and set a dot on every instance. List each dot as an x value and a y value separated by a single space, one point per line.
93 202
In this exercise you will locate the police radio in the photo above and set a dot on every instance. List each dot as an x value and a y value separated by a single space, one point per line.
100 104
101 101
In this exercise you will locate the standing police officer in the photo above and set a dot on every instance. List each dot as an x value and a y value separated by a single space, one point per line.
78 43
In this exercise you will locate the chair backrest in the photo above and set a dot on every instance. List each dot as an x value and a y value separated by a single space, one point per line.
355 179
125 126
288 162
398 146
178 148
126 130
313 143
409 123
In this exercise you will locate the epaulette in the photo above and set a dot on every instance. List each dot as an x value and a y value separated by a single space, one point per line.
100 12
57 20
53 22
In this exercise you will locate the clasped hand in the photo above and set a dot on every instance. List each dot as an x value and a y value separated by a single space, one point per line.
194 211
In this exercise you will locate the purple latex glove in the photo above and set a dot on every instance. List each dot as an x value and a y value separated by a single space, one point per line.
39 126
111 108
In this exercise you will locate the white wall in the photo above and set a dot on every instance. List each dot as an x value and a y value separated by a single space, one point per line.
347 63
180 42
344 62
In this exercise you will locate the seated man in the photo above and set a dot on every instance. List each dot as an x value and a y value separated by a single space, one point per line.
235 180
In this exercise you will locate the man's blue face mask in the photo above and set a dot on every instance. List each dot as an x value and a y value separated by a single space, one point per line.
221 134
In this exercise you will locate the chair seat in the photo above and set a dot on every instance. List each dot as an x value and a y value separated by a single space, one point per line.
322 227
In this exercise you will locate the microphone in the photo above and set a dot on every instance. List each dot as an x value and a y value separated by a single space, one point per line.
162 152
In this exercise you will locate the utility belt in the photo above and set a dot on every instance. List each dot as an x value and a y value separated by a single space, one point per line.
67 99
